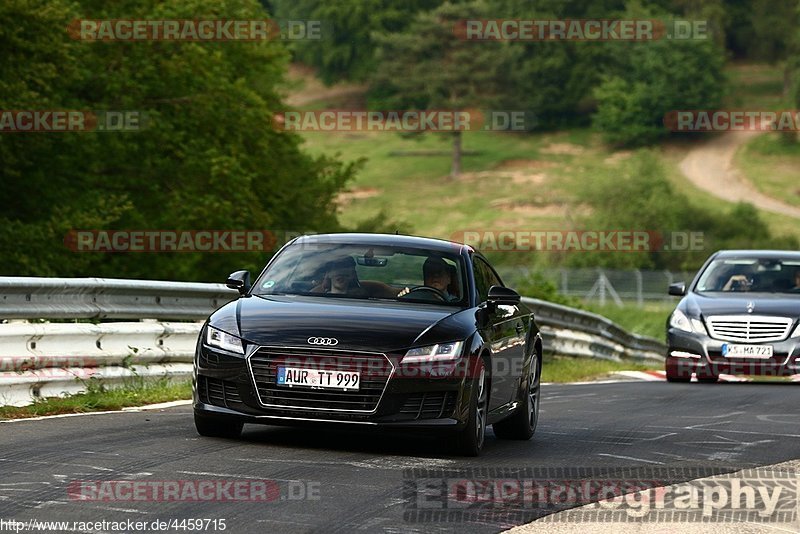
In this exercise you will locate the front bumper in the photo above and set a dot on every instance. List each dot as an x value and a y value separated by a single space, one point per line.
244 388
693 352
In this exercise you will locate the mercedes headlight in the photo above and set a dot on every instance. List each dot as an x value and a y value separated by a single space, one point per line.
435 353
223 340
680 321
796 332
698 326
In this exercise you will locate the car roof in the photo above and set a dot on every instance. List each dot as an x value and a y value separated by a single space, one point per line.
438 245
763 254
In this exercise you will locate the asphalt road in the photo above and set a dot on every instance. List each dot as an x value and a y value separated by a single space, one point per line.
371 481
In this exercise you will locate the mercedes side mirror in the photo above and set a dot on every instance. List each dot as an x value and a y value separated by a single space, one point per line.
677 289
240 281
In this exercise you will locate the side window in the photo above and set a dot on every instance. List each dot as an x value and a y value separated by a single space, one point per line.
484 278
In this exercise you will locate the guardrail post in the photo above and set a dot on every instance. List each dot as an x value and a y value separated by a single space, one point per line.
639 284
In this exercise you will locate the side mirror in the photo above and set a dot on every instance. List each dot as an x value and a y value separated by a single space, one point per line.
240 281
677 289
502 295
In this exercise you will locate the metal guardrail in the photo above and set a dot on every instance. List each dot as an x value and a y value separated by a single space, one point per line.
43 359
108 298
572 332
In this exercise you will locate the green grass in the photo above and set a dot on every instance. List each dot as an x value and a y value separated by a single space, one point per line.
768 161
755 86
511 181
771 164
562 369
516 182
778 224
417 190
99 398
648 320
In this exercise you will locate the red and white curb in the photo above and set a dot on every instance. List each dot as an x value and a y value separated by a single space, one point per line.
656 376
660 376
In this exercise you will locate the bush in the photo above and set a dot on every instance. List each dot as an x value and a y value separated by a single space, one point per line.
658 77
536 286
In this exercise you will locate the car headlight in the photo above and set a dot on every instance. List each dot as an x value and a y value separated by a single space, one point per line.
223 340
698 326
434 353
796 332
680 321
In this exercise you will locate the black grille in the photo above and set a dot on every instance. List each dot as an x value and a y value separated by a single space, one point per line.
375 370
218 392
431 405
211 360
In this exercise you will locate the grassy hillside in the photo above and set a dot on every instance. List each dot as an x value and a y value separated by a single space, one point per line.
773 166
521 181
769 162
510 180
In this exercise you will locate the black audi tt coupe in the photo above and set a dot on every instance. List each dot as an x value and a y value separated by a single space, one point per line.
371 330
739 316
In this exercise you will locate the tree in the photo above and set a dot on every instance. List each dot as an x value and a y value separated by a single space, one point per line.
427 66
347 50
638 196
659 77
793 66
208 158
554 79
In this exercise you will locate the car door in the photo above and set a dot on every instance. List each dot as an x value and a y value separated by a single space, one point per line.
505 331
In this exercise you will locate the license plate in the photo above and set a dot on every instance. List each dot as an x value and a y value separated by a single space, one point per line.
318 378
746 351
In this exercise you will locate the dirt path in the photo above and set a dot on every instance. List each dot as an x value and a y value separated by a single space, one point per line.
312 90
709 166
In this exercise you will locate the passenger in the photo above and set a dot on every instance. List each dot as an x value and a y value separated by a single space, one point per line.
341 279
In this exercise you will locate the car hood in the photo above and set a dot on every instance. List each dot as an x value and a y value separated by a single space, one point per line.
358 325
709 304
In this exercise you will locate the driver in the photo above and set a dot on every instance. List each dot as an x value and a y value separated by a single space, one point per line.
436 274
796 281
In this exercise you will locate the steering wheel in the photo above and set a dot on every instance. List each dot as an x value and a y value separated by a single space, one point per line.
438 294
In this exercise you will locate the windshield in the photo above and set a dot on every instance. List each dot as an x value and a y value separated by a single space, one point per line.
752 275
366 272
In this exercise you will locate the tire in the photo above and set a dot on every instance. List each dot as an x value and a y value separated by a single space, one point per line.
674 371
216 427
707 377
470 440
522 424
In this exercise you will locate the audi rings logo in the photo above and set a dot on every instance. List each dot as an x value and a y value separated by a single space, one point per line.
328 341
